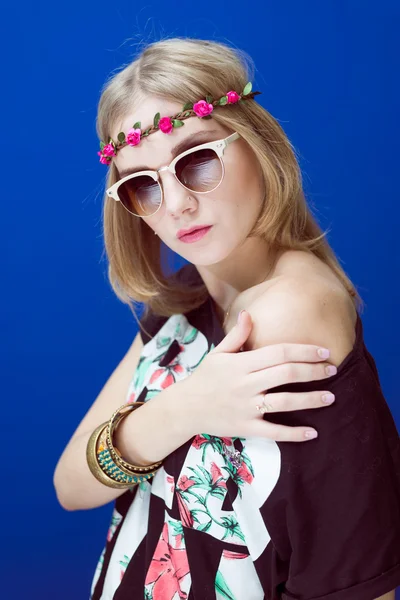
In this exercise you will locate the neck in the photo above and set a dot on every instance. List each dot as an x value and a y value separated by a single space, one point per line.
249 265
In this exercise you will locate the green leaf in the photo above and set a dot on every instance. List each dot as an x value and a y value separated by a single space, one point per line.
190 335
218 492
102 144
209 99
223 100
207 117
247 89
145 133
199 498
163 341
176 527
222 587
204 526
138 378
156 119
207 475
187 113
177 123
137 125
121 137
188 105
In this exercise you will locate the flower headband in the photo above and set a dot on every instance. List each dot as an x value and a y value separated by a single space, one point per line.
201 109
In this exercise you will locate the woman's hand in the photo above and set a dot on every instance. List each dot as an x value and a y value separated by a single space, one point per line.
224 391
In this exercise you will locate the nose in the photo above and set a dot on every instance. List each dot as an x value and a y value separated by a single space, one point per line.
177 199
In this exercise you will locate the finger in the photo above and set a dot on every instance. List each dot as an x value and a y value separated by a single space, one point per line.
287 373
288 401
280 433
276 354
237 336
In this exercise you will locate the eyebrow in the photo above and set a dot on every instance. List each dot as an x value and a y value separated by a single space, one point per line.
189 142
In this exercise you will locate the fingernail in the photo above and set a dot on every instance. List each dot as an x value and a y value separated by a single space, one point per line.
323 352
331 370
328 398
310 434
240 315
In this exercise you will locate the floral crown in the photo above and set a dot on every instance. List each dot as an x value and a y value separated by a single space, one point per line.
201 109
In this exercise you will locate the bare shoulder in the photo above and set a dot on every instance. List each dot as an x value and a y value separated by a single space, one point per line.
304 306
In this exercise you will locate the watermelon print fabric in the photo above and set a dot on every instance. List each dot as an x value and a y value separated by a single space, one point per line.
251 518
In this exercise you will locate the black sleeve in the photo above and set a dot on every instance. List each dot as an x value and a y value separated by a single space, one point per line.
339 495
150 323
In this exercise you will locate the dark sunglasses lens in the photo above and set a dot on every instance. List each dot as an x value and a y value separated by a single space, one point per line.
200 171
140 195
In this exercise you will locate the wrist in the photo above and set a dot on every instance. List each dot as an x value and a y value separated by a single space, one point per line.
180 411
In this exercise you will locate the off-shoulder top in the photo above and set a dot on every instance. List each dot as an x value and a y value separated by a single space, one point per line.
251 518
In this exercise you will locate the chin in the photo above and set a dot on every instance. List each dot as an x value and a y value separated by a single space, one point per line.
206 255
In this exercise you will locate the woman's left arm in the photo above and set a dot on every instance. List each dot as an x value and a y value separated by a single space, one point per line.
388 596
335 512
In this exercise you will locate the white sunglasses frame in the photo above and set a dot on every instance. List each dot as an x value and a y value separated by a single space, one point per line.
217 145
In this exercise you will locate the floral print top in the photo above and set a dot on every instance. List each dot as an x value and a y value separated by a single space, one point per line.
251 518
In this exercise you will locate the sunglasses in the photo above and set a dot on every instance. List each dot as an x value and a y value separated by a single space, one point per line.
200 169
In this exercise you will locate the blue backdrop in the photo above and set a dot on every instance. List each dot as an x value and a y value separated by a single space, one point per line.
328 72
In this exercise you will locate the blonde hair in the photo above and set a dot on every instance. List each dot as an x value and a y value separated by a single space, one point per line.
186 70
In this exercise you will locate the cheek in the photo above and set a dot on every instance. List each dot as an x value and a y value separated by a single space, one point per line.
242 199
154 223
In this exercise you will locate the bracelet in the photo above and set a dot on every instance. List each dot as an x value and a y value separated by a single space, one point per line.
113 469
99 469
105 461
111 427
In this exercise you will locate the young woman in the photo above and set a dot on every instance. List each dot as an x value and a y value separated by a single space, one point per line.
228 370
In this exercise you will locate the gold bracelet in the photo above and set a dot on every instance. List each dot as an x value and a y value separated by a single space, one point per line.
112 426
97 469
113 469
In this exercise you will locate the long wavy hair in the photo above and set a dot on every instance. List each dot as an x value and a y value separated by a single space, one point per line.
186 70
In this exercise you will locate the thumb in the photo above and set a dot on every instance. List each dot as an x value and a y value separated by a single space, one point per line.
237 336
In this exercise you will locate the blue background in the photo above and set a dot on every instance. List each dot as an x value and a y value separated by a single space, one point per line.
328 71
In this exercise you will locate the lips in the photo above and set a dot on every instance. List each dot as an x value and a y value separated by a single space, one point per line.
183 232
196 234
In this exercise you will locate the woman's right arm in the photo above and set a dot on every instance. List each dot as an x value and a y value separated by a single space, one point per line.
218 398
145 430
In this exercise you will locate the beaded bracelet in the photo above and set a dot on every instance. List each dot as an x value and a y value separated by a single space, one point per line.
122 412
99 469
113 469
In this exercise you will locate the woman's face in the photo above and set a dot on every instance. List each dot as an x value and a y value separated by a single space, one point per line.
231 209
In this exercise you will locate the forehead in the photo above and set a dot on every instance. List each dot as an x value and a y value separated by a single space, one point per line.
156 149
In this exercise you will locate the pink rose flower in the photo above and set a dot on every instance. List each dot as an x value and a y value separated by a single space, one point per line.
244 473
233 555
202 108
105 160
184 483
109 150
165 124
186 515
199 441
232 97
217 477
133 137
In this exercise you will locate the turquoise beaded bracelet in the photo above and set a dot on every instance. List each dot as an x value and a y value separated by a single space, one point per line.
122 412
92 449
111 469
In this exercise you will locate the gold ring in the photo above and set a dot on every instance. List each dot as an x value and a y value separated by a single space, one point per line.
264 406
